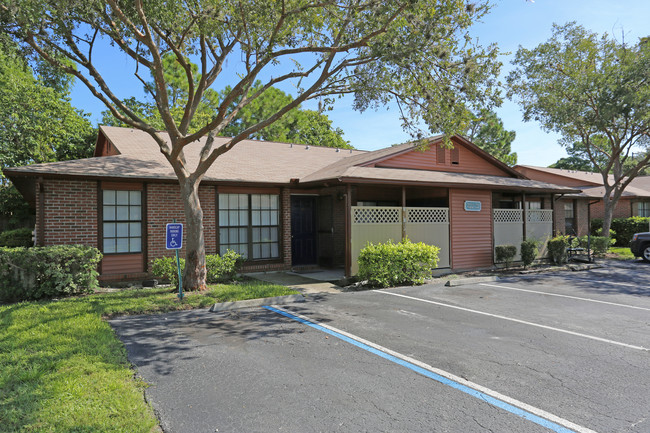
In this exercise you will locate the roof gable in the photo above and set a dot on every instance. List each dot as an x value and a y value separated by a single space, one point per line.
464 157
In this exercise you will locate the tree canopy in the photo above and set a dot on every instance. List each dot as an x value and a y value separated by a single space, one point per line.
297 126
417 53
594 91
486 130
37 122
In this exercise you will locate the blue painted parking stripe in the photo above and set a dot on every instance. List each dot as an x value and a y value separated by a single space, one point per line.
553 426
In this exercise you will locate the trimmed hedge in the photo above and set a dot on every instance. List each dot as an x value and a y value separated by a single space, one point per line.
390 264
505 254
624 228
47 272
219 268
17 238
528 251
557 252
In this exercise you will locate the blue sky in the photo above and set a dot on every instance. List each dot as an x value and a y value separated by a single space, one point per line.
511 23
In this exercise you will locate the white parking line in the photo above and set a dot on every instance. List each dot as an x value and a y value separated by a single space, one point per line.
563 296
606 282
498 316
519 408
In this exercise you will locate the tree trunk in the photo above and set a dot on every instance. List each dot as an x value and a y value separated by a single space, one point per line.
194 277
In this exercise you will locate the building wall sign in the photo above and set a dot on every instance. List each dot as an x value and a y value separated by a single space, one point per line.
472 206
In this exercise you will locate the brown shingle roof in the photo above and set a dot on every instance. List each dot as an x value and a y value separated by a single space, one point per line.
448 179
248 161
587 177
261 162
639 187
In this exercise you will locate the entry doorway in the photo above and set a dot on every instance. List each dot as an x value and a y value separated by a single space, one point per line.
304 233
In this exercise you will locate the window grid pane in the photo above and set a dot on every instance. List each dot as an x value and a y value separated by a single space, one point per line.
122 214
261 218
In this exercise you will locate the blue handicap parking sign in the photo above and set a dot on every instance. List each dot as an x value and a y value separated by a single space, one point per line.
174 236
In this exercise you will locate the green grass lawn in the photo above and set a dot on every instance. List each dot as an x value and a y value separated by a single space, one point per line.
62 369
620 253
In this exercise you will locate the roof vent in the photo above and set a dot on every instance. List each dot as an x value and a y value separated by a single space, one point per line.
338 150
307 147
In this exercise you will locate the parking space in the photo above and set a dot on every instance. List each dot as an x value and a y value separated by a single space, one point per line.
564 352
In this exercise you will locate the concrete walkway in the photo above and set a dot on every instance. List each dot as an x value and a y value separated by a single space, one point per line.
300 282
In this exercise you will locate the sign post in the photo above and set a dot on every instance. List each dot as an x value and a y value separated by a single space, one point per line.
175 242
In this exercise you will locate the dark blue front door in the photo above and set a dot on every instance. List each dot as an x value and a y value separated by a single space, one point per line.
304 246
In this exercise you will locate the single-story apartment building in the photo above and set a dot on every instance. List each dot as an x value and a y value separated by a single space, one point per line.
285 206
575 210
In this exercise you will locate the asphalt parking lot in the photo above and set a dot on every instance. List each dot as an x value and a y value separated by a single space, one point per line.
557 352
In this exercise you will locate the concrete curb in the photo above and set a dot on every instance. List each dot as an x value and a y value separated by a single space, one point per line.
225 306
471 280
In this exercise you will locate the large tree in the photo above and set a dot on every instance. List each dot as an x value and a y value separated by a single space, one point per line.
37 122
579 159
486 130
416 53
595 91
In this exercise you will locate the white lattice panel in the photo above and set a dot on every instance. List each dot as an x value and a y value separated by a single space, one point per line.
508 216
376 215
539 215
427 215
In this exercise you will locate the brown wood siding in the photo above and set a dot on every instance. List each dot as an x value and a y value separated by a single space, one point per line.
556 179
246 190
122 264
122 186
471 232
103 147
468 161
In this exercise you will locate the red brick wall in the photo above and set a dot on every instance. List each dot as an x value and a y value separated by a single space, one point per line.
163 205
623 209
70 212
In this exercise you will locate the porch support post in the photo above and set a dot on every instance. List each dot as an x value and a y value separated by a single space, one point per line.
348 231
403 212
525 215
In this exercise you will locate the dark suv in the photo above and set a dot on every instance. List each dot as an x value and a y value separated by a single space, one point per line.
640 245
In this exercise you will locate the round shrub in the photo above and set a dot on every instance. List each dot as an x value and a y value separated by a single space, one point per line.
528 251
505 254
390 264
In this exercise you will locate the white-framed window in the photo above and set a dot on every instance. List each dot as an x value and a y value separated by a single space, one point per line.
569 218
533 205
122 221
249 224
644 208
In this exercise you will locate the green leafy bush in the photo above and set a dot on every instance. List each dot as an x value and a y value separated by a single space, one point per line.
223 268
624 228
528 251
165 268
17 238
599 244
557 249
219 268
47 272
390 264
505 254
